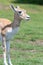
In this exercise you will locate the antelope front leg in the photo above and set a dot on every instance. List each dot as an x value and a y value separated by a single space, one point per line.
4 49
8 52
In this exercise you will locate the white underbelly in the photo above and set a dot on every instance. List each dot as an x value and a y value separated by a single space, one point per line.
11 33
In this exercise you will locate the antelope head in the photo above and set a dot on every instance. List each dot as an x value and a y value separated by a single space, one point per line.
20 13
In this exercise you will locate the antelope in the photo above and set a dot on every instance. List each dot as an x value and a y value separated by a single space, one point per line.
8 30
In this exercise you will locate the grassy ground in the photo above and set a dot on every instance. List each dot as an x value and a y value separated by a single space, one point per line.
27 46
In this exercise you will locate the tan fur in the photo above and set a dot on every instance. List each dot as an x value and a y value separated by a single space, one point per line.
4 22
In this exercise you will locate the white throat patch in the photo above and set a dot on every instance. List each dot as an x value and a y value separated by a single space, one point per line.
11 32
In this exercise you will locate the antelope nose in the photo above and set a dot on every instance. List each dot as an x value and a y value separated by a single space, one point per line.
28 17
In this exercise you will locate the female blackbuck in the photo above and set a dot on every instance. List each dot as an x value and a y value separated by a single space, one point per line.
8 29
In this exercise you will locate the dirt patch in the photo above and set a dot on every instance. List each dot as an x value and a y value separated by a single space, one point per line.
39 42
33 11
1 55
4 7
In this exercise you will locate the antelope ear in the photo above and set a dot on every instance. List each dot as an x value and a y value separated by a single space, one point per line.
12 7
17 7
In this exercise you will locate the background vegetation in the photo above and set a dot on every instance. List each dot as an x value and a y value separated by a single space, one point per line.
29 1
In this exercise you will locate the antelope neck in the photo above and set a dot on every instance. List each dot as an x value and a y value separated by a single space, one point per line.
16 23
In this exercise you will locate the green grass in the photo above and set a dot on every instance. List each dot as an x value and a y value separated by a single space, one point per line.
24 48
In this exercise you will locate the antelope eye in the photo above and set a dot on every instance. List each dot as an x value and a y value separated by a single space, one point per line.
20 12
